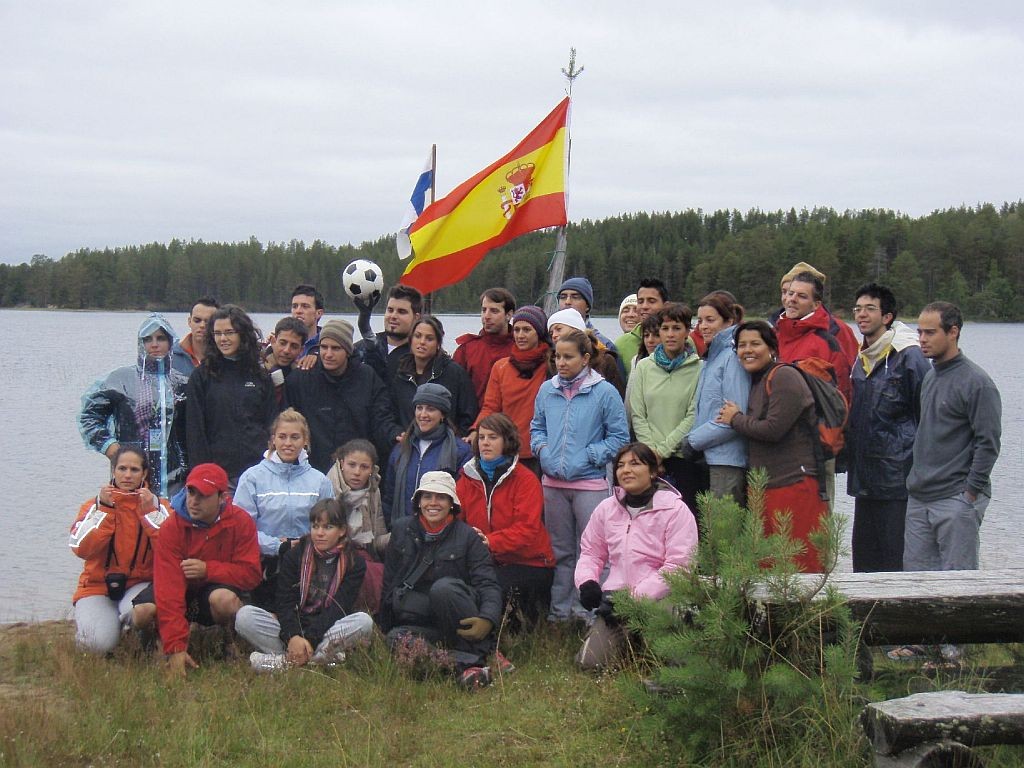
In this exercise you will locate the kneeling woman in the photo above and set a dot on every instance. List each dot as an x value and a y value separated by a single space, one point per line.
113 533
641 532
316 589
780 429
440 584
504 502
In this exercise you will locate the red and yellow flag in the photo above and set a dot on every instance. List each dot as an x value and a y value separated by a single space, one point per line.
521 192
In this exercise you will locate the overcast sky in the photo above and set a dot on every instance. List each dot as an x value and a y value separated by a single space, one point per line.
133 122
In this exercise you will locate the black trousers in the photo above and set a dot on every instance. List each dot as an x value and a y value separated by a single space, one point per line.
528 589
877 540
451 601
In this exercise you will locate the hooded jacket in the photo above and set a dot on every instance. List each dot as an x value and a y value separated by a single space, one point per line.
639 551
722 378
575 439
664 403
478 352
811 337
229 416
884 415
228 547
115 539
341 408
509 512
142 406
279 496
448 374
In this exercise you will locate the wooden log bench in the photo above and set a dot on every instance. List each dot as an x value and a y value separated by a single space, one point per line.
930 606
939 729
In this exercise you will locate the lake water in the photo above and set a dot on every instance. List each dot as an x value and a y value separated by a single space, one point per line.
50 473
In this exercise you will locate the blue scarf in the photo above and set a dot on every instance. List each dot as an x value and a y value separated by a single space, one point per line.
663 361
488 466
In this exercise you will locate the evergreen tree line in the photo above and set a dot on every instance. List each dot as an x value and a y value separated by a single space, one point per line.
972 256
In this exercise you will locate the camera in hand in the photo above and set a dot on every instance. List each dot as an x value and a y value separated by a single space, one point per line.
117 583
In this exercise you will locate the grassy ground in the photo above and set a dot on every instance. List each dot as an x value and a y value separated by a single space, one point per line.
60 707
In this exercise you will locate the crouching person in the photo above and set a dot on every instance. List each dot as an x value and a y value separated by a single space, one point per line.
440 584
207 556
113 534
641 532
317 585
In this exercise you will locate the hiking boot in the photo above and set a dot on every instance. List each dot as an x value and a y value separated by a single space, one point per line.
475 678
501 665
268 662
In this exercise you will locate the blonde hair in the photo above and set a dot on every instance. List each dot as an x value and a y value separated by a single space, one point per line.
292 416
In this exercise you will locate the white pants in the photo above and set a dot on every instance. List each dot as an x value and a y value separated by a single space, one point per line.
262 629
99 621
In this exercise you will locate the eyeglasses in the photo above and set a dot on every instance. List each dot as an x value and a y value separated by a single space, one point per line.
569 296
865 308
224 334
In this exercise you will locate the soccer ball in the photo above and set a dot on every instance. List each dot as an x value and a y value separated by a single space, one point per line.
363 280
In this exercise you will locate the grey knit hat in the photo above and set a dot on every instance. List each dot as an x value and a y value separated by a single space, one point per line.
435 395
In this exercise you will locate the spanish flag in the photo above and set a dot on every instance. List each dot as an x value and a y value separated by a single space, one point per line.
521 192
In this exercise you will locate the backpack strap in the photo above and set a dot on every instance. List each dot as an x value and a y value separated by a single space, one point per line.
810 429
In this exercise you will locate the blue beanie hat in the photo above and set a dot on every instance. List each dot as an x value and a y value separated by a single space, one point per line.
582 286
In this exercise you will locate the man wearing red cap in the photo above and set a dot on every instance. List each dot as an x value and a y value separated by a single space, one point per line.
207 555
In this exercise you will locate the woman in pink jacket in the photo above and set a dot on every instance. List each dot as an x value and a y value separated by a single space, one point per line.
642 532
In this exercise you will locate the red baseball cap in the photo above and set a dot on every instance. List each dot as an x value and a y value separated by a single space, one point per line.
208 479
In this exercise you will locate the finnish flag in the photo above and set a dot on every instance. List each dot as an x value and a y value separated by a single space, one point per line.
417 202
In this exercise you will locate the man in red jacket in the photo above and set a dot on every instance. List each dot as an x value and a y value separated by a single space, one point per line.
478 353
207 555
803 330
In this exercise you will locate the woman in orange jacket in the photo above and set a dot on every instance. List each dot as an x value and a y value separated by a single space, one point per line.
114 533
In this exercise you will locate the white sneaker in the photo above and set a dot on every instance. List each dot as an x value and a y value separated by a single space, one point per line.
268 662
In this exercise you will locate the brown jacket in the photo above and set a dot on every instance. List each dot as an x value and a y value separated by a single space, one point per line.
780 428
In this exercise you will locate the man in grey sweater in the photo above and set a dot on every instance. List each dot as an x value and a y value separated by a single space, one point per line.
956 446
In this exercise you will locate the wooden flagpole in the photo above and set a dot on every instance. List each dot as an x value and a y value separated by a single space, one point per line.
557 268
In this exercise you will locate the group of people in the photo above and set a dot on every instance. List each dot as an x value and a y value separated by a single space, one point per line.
303 488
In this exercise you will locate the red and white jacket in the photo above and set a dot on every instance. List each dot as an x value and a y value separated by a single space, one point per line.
124 531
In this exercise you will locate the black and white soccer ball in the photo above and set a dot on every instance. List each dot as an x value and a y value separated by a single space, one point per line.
363 280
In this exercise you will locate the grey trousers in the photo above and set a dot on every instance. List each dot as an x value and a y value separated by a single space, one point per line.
99 621
728 481
262 629
943 535
566 514
604 644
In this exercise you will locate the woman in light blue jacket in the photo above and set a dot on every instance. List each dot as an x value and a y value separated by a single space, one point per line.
722 378
278 493
579 423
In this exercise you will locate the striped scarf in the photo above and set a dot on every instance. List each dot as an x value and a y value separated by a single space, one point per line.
308 569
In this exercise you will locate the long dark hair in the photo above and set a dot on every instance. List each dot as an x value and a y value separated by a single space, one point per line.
248 342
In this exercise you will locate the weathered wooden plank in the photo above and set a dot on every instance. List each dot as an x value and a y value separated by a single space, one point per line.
969 718
931 606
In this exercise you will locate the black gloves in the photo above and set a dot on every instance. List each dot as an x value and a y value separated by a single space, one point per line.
590 594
